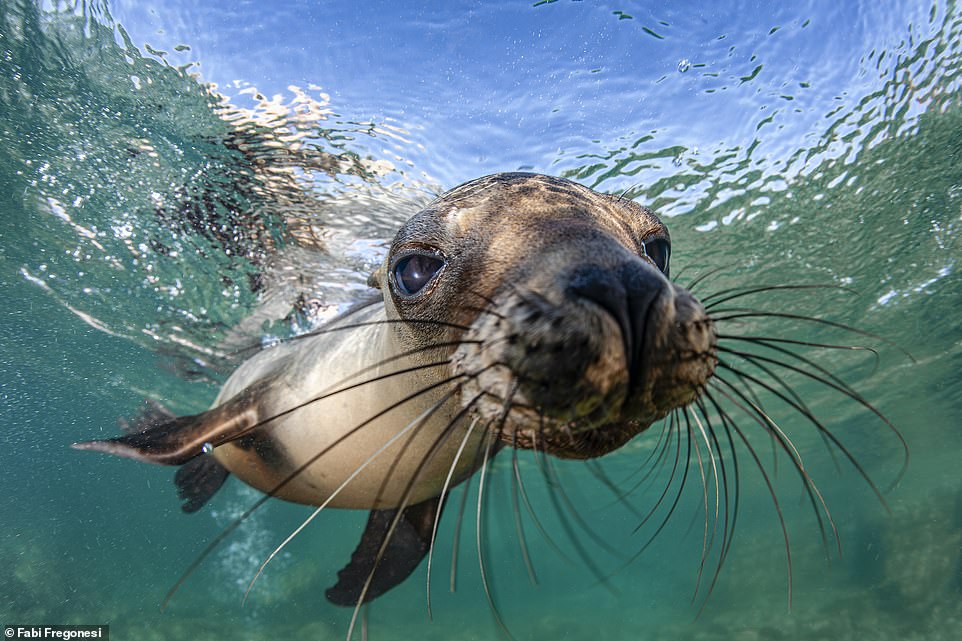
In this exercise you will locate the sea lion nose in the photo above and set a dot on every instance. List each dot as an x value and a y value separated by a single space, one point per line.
626 293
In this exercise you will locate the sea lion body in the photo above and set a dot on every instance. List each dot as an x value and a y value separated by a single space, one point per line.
542 237
302 370
516 310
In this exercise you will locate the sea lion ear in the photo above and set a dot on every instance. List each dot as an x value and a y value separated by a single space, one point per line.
408 545
376 278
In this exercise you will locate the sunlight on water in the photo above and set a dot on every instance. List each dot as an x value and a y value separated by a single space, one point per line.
183 185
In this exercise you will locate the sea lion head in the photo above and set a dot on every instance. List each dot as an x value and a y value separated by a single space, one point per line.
555 306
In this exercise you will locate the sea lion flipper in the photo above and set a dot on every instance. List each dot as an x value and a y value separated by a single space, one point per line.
198 480
150 414
182 438
408 545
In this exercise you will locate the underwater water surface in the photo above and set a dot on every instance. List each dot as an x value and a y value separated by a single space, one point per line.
180 180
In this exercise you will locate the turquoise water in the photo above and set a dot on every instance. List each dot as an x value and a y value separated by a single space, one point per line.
178 181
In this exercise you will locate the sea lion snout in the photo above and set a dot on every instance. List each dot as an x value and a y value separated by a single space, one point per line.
565 350
626 294
592 362
679 356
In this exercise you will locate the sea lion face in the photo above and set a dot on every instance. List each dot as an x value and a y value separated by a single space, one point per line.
554 303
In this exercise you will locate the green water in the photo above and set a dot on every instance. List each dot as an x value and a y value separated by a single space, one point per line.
150 225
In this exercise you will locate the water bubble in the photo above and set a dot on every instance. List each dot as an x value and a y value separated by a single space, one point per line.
269 341
122 231
684 65
207 448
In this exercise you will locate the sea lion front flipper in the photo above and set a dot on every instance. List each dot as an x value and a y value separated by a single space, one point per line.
182 438
408 545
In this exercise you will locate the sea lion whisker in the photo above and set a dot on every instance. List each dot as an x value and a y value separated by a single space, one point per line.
443 495
782 363
461 413
706 541
541 456
483 310
757 411
576 514
516 511
353 310
624 192
678 494
216 541
674 467
325 329
656 448
654 509
414 424
493 437
701 432
326 393
768 483
773 344
620 497
757 402
735 313
725 295
528 296
767 340
404 501
674 504
750 391
489 308
196 444
694 283
830 380
430 454
406 322
456 538
490 301
821 427
749 358
847 390
530 509
778 435
676 274
731 495
661 449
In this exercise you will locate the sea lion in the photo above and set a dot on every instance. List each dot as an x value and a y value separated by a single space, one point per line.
516 309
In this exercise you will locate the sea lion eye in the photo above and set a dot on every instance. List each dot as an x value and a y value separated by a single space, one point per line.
659 250
413 271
